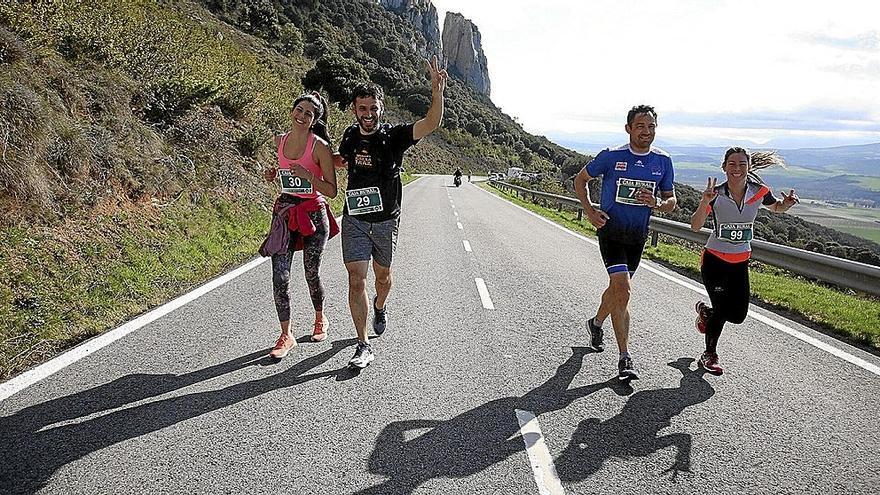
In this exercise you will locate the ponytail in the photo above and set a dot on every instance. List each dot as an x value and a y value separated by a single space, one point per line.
761 160
758 160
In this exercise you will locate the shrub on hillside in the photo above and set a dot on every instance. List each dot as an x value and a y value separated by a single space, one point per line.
336 75
475 128
262 18
417 104
290 41
23 132
12 49
167 100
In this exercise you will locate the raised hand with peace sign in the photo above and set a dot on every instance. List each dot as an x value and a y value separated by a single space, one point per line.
789 200
709 194
438 75
698 219
432 120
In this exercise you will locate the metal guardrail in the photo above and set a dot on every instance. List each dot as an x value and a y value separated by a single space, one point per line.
845 273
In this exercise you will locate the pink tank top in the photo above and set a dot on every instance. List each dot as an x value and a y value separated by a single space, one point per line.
306 161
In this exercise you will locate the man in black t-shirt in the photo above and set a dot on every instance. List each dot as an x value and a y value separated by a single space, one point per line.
373 153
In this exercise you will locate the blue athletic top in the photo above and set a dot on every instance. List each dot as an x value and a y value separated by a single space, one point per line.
623 172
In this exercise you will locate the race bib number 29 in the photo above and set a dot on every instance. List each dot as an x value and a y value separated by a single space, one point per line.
292 184
362 201
628 188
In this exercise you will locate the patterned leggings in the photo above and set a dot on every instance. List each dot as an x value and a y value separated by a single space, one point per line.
313 248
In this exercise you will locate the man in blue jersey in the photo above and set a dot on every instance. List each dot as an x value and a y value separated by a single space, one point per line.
636 179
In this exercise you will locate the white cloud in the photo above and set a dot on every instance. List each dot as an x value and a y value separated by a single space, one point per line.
559 65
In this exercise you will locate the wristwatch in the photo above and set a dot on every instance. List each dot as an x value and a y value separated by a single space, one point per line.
657 202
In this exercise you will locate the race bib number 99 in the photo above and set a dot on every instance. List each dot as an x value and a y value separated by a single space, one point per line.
628 188
361 201
735 232
292 184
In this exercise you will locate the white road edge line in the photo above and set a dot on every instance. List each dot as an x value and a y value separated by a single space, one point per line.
484 294
754 311
28 378
58 363
460 226
467 246
539 455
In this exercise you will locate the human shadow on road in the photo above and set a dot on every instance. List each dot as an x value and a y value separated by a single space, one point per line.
31 450
122 391
474 440
635 432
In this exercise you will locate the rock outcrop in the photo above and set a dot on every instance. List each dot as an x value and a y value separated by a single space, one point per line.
463 52
423 15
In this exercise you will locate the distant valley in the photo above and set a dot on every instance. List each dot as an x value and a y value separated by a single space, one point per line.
843 173
842 183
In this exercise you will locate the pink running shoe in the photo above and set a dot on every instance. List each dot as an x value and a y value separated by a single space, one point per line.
283 346
319 334
702 316
709 361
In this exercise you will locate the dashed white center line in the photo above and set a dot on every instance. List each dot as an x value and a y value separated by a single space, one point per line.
460 226
754 311
456 213
539 455
467 246
484 294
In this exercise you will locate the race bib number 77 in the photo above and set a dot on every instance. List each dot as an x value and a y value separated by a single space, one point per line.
628 188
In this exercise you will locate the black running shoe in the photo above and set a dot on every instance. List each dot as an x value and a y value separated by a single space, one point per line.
626 370
596 335
380 319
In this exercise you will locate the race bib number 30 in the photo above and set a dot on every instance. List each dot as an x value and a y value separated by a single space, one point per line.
735 232
361 201
292 184
628 188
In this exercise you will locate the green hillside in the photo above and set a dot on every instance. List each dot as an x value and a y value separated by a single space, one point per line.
134 133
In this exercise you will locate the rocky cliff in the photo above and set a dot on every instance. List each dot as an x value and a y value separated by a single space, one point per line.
463 52
423 15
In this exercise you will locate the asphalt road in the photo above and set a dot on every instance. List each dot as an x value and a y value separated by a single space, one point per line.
190 403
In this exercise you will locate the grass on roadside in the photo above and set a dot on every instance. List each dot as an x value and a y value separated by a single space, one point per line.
57 290
848 315
59 287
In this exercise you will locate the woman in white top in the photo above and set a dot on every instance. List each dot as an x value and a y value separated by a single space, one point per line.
724 263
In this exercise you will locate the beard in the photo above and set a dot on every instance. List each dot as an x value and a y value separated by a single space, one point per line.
368 126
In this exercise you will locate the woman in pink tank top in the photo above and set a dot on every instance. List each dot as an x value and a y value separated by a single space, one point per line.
306 173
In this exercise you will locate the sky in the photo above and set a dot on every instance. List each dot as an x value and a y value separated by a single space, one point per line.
768 73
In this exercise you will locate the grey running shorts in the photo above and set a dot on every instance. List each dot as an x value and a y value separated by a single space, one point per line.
360 240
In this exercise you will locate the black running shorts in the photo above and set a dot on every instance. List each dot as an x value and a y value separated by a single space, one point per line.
619 256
